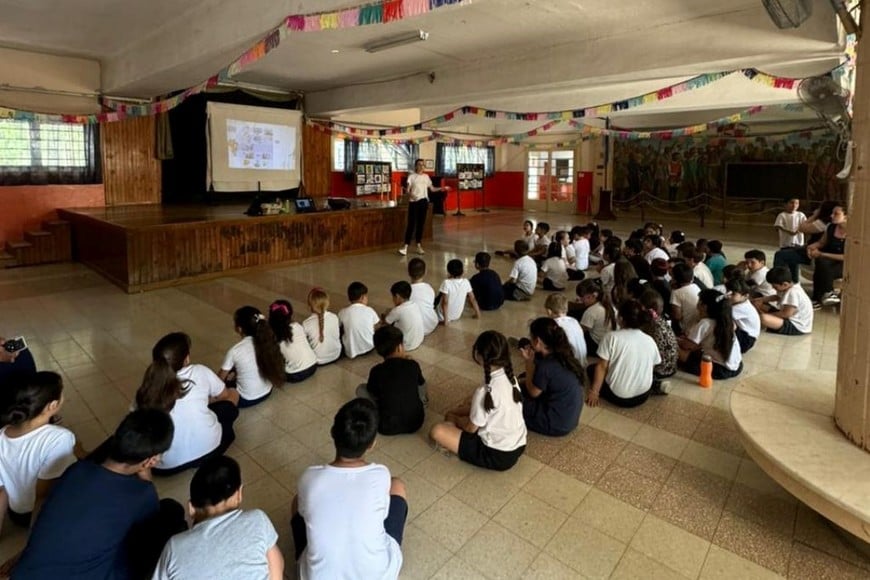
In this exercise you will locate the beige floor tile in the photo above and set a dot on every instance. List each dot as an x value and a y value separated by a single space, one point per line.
530 518
675 423
807 563
690 512
723 464
457 569
422 555
616 424
277 453
635 565
546 567
609 515
585 549
646 462
407 449
756 543
445 471
816 532
451 522
769 511
544 449
499 487
724 565
660 441
585 466
689 479
598 442
751 475
266 493
498 553
421 493
557 489
672 546
630 487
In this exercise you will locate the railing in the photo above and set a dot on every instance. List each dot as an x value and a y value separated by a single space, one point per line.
702 205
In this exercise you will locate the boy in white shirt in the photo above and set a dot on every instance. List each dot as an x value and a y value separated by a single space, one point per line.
422 294
788 222
453 294
405 315
793 314
542 230
756 274
521 282
358 321
580 243
349 516
557 309
652 248
702 274
684 299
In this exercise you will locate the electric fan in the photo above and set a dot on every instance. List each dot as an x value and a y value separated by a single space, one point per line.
788 13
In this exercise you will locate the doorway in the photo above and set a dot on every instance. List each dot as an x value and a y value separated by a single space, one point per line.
550 182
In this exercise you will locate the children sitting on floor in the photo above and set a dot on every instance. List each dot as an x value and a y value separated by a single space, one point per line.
598 317
203 410
422 294
712 335
652 248
358 321
580 244
396 385
254 364
790 310
349 516
684 298
405 315
746 317
454 292
489 431
756 274
322 328
659 328
34 453
520 285
104 520
486 284
716 261
557 309
211 548
300 362
542 242
530 238
554 270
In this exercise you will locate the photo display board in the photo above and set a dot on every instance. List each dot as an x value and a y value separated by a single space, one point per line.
373 177
470 176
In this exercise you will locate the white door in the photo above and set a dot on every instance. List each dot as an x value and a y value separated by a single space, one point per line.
550 181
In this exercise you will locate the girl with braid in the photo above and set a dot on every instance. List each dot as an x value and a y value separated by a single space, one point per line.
322 328
489 431
553 383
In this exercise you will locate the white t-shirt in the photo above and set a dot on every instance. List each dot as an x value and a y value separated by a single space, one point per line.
330 349
503 428
407 318
231 545
790 221
632 354
575 336
803 316
581 253
557 271
358 321
418 186
197 430
298 354
686 299
702 333
525 274
456 290
656 253
531 240
423 295
243 358
44 453
607 279
595 319
746 318
702 272
760 283
344 510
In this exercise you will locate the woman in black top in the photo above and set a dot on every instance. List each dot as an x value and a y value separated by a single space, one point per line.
828 254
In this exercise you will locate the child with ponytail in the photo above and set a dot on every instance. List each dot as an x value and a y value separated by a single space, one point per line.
598 317
254 364
322 328
713 335
300 362
202 408
663 335
33 452
490 431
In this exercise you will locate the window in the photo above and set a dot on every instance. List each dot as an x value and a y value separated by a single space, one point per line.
447 156
32 152
345 153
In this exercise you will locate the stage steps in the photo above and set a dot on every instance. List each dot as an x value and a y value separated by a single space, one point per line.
52 243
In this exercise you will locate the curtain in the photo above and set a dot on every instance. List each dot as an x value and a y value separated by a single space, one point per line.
447 156
401 156
36 153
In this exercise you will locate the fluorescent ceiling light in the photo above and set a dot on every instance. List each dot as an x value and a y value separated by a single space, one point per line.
401 40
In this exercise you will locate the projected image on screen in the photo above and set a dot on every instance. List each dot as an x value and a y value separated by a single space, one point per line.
261 146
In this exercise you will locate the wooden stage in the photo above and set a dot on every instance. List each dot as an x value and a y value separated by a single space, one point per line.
145 247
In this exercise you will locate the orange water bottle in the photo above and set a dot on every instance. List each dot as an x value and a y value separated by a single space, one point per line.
705 379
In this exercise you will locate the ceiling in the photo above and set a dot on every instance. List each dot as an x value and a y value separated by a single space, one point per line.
522 55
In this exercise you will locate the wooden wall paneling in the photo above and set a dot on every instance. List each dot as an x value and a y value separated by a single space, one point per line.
131 173
316 161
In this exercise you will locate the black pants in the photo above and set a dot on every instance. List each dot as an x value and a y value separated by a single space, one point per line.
146 541
514 292
792 258
608 395
416 220
226 413
824 274
23 365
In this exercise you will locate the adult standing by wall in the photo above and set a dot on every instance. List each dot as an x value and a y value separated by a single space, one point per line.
418 187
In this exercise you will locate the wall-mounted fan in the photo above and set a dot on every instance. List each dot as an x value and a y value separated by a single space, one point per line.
829 100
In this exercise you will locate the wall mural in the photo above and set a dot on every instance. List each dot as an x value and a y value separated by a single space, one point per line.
679 170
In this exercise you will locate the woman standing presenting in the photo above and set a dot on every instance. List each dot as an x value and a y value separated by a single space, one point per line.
418 187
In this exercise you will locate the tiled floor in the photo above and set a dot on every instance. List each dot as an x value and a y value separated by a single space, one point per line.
662 491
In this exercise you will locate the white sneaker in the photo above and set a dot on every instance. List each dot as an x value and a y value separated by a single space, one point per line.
420 249
403 250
